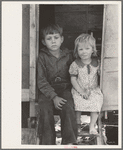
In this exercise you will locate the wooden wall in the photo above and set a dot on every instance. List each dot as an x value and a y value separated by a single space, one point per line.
30 48
110 57
78 19
30 43
75 19
25 64
25 46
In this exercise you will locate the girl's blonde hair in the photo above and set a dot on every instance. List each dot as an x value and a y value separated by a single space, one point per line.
85 38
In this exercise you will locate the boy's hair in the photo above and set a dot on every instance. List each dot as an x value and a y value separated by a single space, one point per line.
85 38
51 29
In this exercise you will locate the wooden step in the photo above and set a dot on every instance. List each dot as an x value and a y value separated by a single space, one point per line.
84 138
28 136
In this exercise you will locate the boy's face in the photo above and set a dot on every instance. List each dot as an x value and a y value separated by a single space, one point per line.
53 41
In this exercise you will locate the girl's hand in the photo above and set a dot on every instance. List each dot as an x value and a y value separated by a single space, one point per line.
86 94
59 102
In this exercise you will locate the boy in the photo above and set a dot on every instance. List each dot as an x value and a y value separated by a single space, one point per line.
55 89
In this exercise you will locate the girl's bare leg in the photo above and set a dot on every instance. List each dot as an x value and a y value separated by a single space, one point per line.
78 119
94 116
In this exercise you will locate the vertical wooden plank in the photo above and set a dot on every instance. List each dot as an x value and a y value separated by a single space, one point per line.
25 45
32 83
99 139
37 31
34 42
25 95
32 109
106 115
37 41
87 22
102 49
32 86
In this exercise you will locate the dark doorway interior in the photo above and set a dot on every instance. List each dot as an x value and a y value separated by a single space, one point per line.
75 19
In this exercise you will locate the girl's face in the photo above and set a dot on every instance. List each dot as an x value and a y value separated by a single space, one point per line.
53 41
85 51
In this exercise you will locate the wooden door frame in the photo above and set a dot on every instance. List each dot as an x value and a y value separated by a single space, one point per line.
34 49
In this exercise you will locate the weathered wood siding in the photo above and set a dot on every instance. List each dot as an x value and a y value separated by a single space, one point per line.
25 52
25 64
29 51
78 19
30 44
25 46
110 57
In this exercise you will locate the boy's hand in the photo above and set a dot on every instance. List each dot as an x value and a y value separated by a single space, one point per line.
59 102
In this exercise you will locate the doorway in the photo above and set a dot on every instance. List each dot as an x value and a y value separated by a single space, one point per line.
75 19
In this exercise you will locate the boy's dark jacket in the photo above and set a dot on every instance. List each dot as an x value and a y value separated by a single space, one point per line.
53 71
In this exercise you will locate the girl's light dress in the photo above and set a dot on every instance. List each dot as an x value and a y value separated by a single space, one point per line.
87 79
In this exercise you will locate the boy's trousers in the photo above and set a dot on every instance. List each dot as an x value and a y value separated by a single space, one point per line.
46 129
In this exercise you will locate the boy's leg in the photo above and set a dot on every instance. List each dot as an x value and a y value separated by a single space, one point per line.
68 120
94 116
46 130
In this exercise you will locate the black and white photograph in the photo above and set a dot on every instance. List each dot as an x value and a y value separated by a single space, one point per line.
61 74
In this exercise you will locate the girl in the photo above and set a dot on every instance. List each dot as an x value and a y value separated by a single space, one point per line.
86 92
